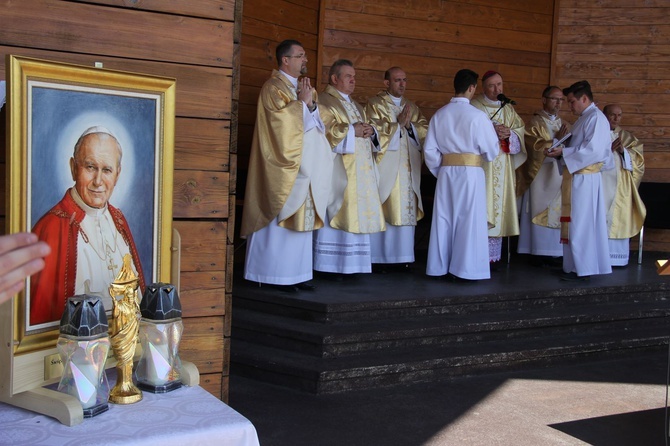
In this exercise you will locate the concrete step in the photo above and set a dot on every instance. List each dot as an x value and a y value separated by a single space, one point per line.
389 368
403 300
336 340
384 330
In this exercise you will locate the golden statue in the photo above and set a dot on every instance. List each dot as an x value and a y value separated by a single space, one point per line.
124 333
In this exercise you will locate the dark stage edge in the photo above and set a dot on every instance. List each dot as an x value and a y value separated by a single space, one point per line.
383 330
397 287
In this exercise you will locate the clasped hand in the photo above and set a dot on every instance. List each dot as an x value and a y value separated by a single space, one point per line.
617 146
362 130
305 91
502 131
404 117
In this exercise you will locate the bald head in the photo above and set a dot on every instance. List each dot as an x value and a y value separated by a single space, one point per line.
613 113
395 81
95 167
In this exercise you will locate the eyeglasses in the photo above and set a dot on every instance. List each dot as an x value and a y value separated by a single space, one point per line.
555 99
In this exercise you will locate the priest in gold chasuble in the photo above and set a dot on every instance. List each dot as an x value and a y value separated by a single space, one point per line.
625 210
288 184
401 128
354 211
500 173
539 181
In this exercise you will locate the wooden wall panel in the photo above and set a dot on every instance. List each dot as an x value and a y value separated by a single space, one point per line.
203 245
75 27
622 48
265 23
202 144
432 39
200 194
200 293
422 28
201 344
195 43
211 9
213 383
202 92
462 13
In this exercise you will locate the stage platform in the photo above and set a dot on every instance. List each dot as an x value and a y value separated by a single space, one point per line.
385 329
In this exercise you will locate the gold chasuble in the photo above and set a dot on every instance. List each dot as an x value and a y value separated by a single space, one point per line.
627 212
542 178
275 162
354 205
399 160
500 173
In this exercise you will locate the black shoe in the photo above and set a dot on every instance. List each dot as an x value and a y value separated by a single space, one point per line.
405 268
304 286
333 277
451 278
545 261
379 268
285 288
573 277
555 262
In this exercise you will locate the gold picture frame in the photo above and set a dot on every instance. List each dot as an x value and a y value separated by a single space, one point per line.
49 106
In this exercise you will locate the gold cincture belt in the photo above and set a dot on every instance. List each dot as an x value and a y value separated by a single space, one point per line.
462 159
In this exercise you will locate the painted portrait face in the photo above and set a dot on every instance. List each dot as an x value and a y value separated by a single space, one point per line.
96 169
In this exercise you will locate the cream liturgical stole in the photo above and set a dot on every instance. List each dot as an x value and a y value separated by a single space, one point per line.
545 198
401 201
361 207
305 207
500 173
625 210
100 251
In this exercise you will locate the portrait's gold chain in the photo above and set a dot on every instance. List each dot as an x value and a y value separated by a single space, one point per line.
107 258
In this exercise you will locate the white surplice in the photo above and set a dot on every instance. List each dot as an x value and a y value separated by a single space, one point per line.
459 231
395 245
401 164
587 251
280 256
336 250
543 195
535 239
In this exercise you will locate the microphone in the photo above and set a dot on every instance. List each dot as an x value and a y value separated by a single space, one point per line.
505 100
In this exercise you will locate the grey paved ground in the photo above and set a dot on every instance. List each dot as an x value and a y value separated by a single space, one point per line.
613 402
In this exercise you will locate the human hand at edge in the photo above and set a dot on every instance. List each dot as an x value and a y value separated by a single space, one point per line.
21 255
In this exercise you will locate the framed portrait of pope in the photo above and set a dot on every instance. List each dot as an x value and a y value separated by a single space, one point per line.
89 170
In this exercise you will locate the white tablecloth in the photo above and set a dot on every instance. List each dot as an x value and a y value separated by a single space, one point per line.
186 416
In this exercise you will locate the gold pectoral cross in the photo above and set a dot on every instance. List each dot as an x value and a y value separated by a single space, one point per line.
110 260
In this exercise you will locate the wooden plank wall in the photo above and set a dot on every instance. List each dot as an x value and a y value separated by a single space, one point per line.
265 23
622 47
433 39
196 43
430 39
